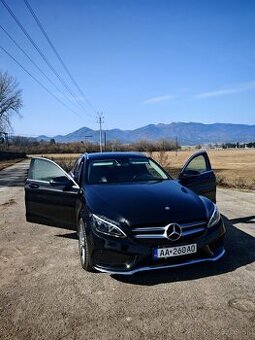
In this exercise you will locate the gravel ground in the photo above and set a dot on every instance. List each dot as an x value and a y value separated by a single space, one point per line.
45 294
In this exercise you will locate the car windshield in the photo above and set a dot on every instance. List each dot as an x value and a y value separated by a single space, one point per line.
117 170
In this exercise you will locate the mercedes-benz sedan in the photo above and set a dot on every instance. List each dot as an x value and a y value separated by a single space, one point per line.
130 215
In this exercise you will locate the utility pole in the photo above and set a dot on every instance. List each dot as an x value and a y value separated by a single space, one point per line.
100 118
4 140
87 137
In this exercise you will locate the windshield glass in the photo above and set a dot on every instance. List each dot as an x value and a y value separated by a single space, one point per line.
118 170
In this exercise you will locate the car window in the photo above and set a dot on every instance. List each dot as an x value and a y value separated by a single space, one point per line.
78 170
44 170
197 164
124 170
76 166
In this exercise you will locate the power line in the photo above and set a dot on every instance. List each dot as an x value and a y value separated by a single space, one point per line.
38 81
40 52
56 53
31 60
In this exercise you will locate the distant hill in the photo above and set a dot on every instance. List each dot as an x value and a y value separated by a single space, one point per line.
187 133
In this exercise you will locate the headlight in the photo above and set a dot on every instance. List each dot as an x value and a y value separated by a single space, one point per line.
106 227
214 219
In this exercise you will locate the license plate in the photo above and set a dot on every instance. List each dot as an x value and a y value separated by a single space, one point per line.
159 253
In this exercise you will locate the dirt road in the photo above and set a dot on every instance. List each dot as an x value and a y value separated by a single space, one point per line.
45 294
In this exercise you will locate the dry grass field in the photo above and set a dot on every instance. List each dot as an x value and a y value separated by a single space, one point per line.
233 168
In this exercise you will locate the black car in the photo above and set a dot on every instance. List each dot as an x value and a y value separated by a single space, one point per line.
130 215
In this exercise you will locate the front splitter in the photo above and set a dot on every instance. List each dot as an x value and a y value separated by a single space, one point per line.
146 268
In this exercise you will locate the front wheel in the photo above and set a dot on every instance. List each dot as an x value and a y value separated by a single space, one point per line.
83 247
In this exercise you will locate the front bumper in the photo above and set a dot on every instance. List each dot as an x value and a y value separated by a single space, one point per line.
216 257
129 256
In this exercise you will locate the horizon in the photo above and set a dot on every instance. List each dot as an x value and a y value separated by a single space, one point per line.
116 128
162 61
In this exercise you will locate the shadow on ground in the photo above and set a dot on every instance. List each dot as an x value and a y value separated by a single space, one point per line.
240 251
14 176
247 219
70 236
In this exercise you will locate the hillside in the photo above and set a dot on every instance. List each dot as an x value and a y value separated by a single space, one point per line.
187 133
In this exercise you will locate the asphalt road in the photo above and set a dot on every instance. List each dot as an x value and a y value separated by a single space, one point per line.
45 294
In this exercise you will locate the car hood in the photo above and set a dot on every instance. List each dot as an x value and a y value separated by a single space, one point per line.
145 203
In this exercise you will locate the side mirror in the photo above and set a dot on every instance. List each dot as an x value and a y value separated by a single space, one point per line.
61 181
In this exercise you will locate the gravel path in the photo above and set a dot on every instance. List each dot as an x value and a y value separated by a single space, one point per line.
45 294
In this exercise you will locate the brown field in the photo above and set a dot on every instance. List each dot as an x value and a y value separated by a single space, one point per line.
233 168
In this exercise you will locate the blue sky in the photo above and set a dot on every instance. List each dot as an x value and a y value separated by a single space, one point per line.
138 61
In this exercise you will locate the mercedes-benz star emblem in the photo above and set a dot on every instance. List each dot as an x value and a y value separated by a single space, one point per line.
174 232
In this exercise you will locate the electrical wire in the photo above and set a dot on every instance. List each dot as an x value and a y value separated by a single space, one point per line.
39 24
38 81
32 61
40 52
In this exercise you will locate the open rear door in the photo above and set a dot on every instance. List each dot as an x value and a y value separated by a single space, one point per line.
198 175
51 195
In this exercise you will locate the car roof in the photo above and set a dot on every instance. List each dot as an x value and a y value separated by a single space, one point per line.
110 155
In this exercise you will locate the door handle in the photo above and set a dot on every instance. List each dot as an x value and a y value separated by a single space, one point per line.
33 186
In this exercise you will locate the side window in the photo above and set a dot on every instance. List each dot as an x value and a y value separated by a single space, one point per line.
77 171
76 166
44 170
197 165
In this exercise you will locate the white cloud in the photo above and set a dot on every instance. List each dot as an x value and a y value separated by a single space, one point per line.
159 99
241 87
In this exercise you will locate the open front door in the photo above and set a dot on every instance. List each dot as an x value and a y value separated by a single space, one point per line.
198 175
51 195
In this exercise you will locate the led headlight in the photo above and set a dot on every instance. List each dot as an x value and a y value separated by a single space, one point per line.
215 217
106 227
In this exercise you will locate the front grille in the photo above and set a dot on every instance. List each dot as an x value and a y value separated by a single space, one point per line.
159 232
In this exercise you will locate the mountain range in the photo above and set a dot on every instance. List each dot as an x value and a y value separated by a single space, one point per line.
187 133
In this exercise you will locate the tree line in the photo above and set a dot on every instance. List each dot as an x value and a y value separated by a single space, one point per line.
33 146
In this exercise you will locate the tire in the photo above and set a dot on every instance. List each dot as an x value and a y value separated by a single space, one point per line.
83 247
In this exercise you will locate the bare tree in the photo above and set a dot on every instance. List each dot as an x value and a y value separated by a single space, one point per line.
10 99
